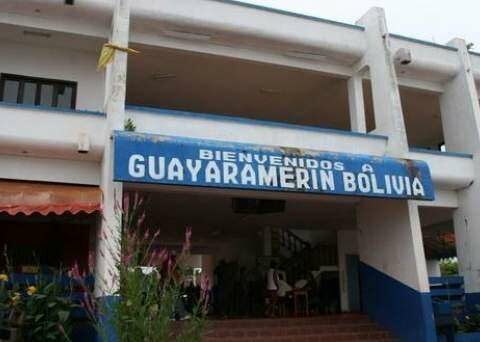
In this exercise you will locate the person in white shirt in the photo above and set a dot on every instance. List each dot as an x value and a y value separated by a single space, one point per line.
272 289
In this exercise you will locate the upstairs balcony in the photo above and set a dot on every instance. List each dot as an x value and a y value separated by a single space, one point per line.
192 94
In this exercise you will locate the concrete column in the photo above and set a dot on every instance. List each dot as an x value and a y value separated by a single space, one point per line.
108 244
347 244
395 288
461 126
386 96
460 107
356 104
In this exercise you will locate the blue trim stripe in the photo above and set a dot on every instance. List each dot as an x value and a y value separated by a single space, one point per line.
423 42
291 14
248 121
441 153
50 109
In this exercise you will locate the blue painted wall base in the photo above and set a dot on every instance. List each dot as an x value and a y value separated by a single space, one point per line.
472 302
407 313
106 320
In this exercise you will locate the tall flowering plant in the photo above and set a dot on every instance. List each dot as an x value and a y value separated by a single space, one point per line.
150 279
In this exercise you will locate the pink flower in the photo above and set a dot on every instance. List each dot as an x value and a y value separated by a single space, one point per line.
127 257
75 271
126 202
141 220
91 261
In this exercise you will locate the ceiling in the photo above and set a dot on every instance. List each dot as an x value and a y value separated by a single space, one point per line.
209 212
175 79
206 83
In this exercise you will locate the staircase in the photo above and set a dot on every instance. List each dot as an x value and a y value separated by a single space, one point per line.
297 257
344 327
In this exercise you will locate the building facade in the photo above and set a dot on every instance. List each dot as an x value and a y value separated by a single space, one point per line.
367 137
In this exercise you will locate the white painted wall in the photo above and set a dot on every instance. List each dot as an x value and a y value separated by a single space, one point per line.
260 29
448 172
49 170
49 133
433 268
347 243
390 240
57 63
168 123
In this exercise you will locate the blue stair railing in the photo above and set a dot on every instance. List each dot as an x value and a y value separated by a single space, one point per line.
448 300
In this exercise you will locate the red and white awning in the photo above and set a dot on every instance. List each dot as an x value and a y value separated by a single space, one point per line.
45 198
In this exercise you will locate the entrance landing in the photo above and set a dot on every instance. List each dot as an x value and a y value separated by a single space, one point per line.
342 327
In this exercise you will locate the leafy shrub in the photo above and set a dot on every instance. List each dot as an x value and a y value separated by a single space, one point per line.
40 312
449 267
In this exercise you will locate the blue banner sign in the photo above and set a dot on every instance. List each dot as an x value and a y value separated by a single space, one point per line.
158 159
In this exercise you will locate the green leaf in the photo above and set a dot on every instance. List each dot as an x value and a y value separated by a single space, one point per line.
38 317
52 336
51 304
63 315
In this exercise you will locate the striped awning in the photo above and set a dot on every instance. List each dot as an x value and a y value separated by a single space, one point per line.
45 198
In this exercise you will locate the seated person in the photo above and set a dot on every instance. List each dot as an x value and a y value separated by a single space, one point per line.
283 286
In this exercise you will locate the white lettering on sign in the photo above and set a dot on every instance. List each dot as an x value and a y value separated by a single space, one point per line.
230 172
267 176
272 171
156 170
212 173
193 166
136 168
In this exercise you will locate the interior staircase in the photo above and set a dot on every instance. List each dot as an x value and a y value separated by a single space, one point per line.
297 257
343 327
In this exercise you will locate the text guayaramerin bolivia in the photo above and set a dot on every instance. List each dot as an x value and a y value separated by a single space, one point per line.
270 171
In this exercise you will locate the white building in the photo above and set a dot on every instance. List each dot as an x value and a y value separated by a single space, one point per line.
331 108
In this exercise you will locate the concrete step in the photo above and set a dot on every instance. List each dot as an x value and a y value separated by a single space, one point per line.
349 327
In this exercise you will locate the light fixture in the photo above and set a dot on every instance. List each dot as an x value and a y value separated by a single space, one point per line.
83 143
306 55
162 76
403 56
36 34
187 35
